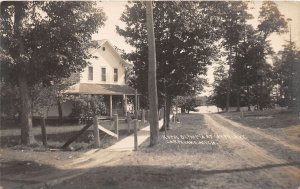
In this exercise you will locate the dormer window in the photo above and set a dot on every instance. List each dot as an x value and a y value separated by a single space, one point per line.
103 48
115 75
90 76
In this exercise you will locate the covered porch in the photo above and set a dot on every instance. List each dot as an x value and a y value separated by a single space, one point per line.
119 99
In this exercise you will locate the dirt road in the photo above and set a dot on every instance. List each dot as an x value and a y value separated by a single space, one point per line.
203 151
276 158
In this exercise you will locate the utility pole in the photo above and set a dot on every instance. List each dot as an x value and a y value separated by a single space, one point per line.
289 21
152 85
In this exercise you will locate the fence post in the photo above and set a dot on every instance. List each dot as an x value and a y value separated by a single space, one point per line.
116 124
147 115
159 114
135 134
128 122
96 133
143 118
173 118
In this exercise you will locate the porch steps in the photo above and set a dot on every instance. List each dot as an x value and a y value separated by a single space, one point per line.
107 131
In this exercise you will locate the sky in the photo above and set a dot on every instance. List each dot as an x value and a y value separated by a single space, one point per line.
114 10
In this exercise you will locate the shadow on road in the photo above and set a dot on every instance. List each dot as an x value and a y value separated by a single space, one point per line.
116 176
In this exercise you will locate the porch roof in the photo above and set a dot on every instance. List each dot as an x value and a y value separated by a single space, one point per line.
104 89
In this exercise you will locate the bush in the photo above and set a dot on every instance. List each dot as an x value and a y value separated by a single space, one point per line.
88 105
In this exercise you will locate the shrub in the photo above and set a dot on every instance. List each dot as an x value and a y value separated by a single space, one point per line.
88 105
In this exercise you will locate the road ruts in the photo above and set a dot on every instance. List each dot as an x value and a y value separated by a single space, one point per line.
285 174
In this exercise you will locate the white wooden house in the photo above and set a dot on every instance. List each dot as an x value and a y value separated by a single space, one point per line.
104 76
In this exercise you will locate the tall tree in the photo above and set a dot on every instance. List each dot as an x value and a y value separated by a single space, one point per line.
244 70
234 15
185 33
248 49
43 41
218 97
270 21
286 69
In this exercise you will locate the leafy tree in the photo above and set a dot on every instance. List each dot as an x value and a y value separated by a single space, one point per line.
286 69
234 16
245 67
44 41
249 74
218 98
185 33
43 98
270 21
187 103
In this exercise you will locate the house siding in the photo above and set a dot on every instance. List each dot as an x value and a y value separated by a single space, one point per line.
106 59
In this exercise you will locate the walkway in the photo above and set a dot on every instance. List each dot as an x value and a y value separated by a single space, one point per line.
120 149
91 159
127 144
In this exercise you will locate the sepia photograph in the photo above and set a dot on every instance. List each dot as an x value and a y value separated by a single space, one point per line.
150 94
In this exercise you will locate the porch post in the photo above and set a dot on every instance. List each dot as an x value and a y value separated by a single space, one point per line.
125 103
110 106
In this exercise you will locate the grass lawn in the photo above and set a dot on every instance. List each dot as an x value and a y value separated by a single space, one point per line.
282 124
58 135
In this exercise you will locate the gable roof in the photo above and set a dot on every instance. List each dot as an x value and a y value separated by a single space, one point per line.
101 89
101 42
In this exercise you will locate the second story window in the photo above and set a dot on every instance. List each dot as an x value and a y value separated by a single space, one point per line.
90 73
103 74
115 75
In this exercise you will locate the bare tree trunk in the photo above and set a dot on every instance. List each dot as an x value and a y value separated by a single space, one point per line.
43 130
60 117
228 82
26 104
152 86
248 98
238 109
26 113
228 92
261 95
164 116
168 111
